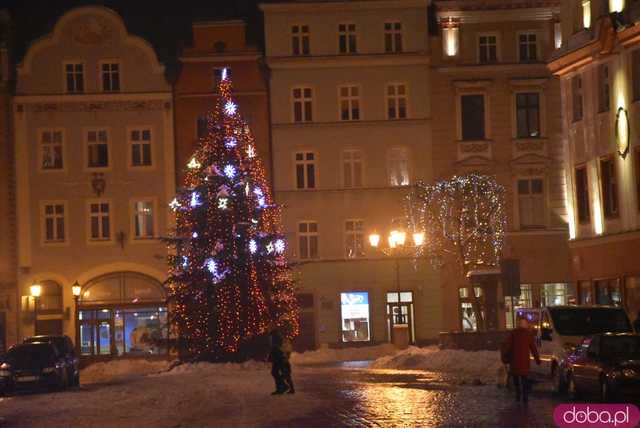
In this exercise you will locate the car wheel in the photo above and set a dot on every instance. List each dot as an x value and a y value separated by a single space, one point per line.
559 381
572 389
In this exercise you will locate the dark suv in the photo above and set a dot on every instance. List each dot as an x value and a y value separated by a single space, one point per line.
66 348
33 364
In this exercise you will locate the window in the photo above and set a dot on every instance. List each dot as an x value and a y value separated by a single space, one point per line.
635 73
349 97
354 314
217 76
305 170
604 88
300 40
74 73
528 47
586 13
531 203
576 91
97 148
302 104
557 35
608 292
585 293
473 120
51 149
609 187
632 294
308 240
396 101
354 238
352 168
347 38
99 221
54 222
140 143
487 49
582 195
110 72
398 166
393 37
201 126
528 115
143 219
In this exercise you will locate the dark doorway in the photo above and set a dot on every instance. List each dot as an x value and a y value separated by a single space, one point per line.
306 340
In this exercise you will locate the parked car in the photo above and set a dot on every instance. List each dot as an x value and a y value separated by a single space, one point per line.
559 329
606 365
32 365
65 346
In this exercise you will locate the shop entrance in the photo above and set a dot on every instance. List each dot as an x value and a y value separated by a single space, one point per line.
400 313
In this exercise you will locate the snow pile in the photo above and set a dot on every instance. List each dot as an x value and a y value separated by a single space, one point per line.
107 371
326 355
468 365
212 368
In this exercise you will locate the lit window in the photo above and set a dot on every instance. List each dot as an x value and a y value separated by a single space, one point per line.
487 49
557 35
140 143
393 37
54 223
349 99
528 47
300 44
450 41
531 204
352 168
354 238
305 163
143 219
347 38
398 166
354 312
74 73
308 240
110 73
99 219
528 115
397 101
51 149
586 13
302 104
97 148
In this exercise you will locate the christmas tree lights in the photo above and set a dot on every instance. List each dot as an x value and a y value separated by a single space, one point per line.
229 280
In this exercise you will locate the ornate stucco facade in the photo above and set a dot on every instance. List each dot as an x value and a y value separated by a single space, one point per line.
94 155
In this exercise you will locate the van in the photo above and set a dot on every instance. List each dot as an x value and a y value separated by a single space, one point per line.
559 329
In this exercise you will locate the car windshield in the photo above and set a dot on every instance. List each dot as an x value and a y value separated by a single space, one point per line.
57 341
28 355
627 347
585 321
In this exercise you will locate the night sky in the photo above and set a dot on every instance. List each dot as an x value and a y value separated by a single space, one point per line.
167 25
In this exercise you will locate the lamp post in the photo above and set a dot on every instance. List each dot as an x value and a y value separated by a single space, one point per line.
75 290
36 291
397 248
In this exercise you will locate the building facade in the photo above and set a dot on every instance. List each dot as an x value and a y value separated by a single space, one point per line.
8 270
94 156
496 110
598 66
351 131
218 45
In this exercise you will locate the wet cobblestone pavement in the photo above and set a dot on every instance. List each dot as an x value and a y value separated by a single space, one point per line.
358 397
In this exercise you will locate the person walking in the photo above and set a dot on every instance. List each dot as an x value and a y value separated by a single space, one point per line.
520 345
280 366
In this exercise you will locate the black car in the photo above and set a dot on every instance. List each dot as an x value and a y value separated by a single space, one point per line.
607 365
33 364
65 346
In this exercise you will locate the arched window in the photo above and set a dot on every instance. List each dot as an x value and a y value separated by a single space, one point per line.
122 287
51 298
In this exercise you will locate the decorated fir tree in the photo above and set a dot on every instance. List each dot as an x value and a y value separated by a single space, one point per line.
228 276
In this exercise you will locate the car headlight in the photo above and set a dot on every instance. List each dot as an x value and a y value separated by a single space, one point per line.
629 373
5 366
47 370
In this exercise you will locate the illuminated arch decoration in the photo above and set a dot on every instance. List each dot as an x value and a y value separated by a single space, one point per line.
623 131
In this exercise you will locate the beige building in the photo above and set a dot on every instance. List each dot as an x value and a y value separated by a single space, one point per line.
496 109
8 271
94 155
599 69
351 131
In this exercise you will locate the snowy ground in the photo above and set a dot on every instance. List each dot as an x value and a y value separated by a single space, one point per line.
147 394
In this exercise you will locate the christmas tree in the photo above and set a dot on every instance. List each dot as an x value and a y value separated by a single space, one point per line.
229 280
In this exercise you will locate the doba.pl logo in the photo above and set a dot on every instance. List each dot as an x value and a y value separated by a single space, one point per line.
596 415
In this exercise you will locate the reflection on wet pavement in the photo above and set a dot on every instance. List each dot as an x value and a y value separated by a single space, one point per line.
353 396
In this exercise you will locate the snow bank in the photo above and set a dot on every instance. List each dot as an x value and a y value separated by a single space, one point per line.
211 368
326 355
106 371
467 365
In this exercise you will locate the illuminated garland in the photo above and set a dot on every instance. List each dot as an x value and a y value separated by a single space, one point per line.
464 215
228 277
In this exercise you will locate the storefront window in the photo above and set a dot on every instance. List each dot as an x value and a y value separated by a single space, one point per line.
608 292
355 316
557 294
632 296
585 293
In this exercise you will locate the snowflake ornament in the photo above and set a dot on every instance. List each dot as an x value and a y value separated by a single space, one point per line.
195 199
229 171
253 246
230 108
279 246
174 204
231 142
270 248
251 152
223 203
193 163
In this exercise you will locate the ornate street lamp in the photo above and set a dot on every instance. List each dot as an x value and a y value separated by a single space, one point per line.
36 291
75 290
